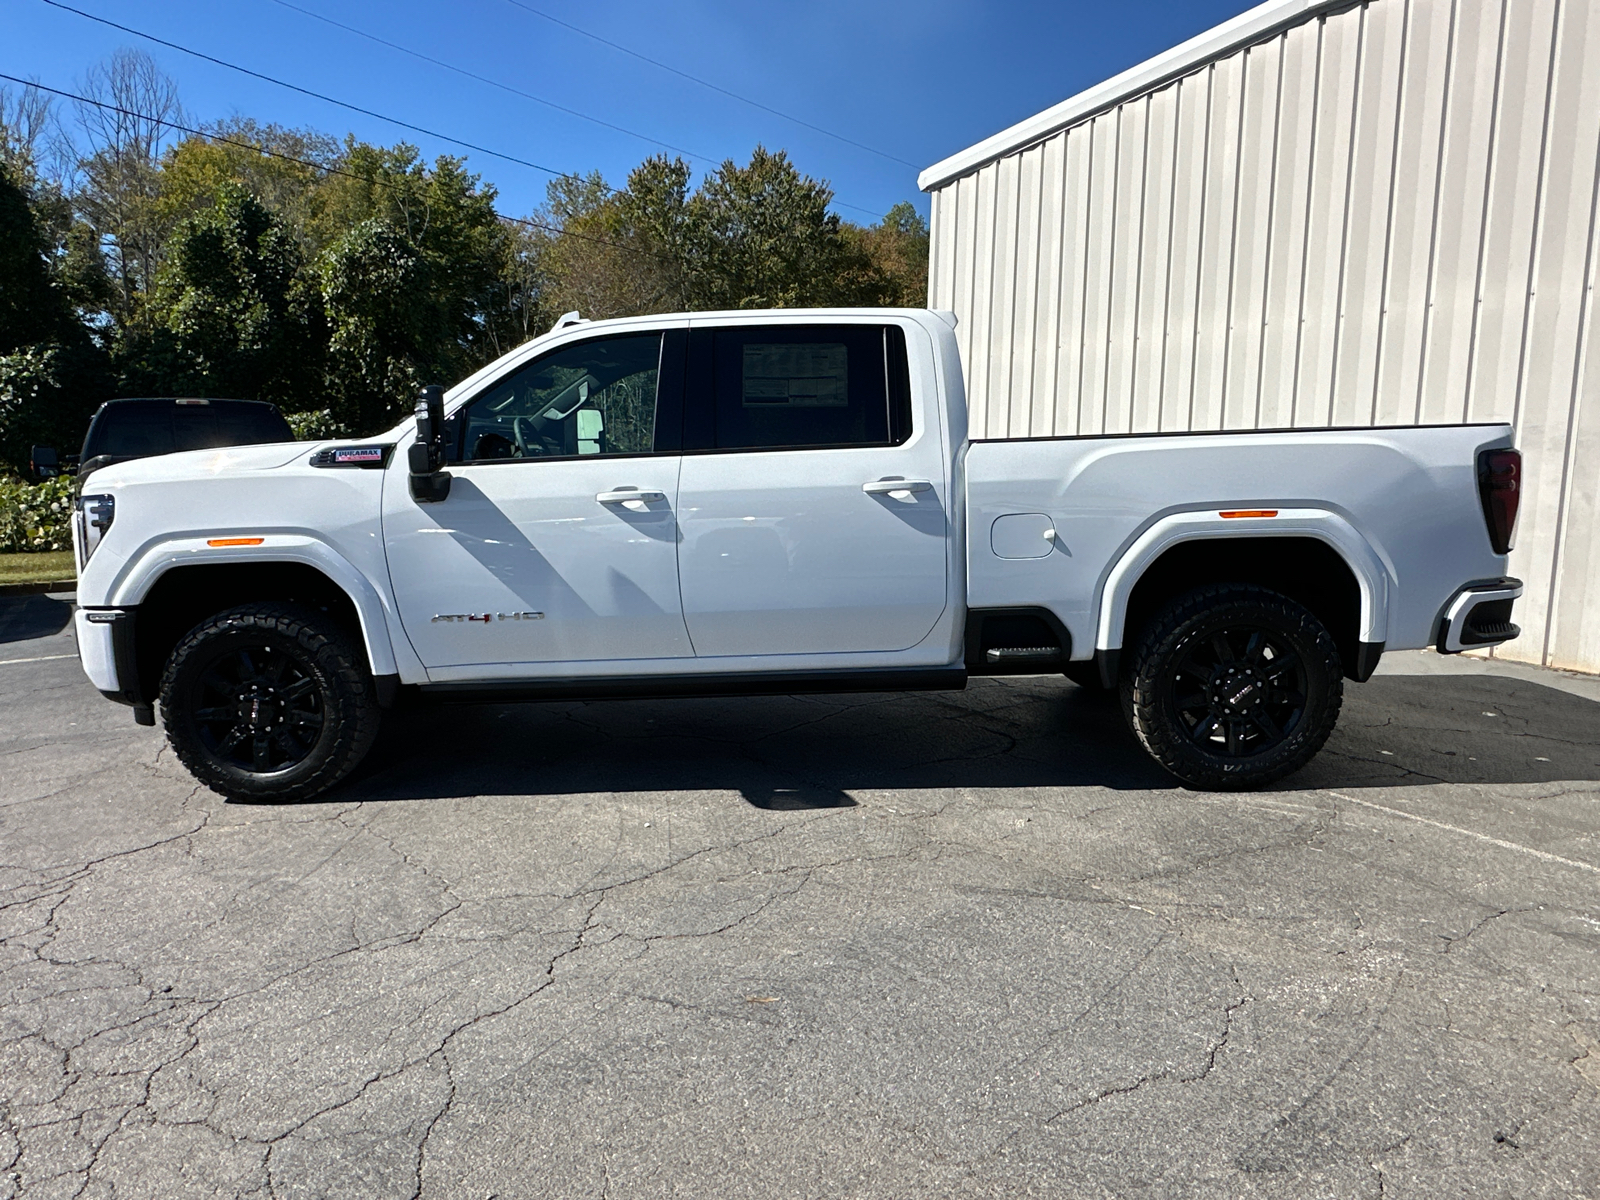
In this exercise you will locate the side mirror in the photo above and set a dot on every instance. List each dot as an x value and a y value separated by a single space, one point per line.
45 462
430 482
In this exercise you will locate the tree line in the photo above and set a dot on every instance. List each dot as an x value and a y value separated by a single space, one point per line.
250 260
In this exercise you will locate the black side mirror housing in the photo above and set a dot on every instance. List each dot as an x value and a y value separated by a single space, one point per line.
430 482
45 462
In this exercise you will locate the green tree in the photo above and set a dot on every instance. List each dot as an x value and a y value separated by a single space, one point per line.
411 282
233 314
119 187
51 372
762 237
891 259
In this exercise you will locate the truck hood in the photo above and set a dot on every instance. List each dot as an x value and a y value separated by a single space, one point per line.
200 464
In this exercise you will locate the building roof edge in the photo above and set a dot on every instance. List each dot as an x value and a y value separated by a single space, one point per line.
1249 26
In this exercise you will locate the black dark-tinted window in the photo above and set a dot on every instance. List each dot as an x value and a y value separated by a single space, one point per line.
816 385
140 428
597 397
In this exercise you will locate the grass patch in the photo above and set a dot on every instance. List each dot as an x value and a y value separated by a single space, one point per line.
37 568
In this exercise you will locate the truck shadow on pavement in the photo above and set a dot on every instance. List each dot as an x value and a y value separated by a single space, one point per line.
811 752
23 618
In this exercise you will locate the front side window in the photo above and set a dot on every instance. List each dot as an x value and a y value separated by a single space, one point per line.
596 397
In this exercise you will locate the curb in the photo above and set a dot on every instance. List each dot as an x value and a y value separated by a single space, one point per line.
33 589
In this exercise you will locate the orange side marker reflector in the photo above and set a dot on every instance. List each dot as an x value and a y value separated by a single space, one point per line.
234 541
1250 512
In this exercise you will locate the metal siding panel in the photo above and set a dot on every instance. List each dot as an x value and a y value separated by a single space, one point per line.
1193 100
966 288
1559 320
1020 392
1422 103
1047 313
1504 279
1294 157
1460 211
1327 230
1371 195
941 248
1007 238
1155 258
1253 233
1127 267
1574 639
983 285
1002 297
1101 215
1073 278
1221 184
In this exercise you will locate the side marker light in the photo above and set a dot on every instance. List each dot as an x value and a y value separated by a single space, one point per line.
1249 512
234 541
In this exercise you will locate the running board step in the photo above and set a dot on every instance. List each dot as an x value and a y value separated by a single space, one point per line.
1001 654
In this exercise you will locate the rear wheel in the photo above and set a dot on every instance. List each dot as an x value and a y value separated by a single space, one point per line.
268 702
1233 686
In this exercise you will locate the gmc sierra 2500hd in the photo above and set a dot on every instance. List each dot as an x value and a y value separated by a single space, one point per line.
776 502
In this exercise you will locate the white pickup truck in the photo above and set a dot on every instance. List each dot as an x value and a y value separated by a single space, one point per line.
776 502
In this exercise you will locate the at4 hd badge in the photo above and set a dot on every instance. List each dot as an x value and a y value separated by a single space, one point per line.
488 617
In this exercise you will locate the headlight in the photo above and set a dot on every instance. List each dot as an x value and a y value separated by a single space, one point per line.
94 517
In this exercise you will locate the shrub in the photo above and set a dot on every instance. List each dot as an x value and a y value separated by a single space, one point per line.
315 426
35 516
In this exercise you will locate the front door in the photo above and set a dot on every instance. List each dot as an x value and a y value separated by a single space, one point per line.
814 517
558 541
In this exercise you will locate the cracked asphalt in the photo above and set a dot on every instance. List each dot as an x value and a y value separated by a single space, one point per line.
864 946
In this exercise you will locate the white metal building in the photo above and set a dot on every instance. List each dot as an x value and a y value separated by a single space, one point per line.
1315 214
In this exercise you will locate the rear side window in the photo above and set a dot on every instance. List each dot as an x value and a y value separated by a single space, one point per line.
243 424
799 387
138 429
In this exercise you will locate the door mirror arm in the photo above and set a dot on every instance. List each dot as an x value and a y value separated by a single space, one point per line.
430 482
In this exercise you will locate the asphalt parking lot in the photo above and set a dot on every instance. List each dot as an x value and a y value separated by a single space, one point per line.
965 944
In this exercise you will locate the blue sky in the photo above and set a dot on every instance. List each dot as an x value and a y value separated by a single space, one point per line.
916 81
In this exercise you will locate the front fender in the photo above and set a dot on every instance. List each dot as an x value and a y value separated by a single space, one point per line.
1373 578
140 573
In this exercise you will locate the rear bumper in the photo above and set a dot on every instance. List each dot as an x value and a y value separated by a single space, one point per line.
1479 615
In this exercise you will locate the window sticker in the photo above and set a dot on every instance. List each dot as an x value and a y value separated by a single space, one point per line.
795 375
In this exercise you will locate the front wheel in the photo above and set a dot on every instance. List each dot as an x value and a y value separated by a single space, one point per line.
1233 686
268 702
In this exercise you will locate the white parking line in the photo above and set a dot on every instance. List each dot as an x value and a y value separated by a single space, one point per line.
6 662
1482 837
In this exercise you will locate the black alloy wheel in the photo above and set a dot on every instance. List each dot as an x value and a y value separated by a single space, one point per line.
261 709
1240 691
1233 686
268 702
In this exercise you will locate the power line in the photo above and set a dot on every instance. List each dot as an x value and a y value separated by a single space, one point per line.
304 162
511 158
495 83
366 112
706 83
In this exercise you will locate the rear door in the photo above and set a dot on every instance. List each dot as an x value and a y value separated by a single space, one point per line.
814 516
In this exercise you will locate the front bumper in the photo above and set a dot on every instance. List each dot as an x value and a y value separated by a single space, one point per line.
106 648
1479 615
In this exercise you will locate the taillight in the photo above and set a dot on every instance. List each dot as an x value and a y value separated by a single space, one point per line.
1500 489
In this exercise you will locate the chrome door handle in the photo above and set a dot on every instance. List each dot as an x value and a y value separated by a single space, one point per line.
888 487
624 496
